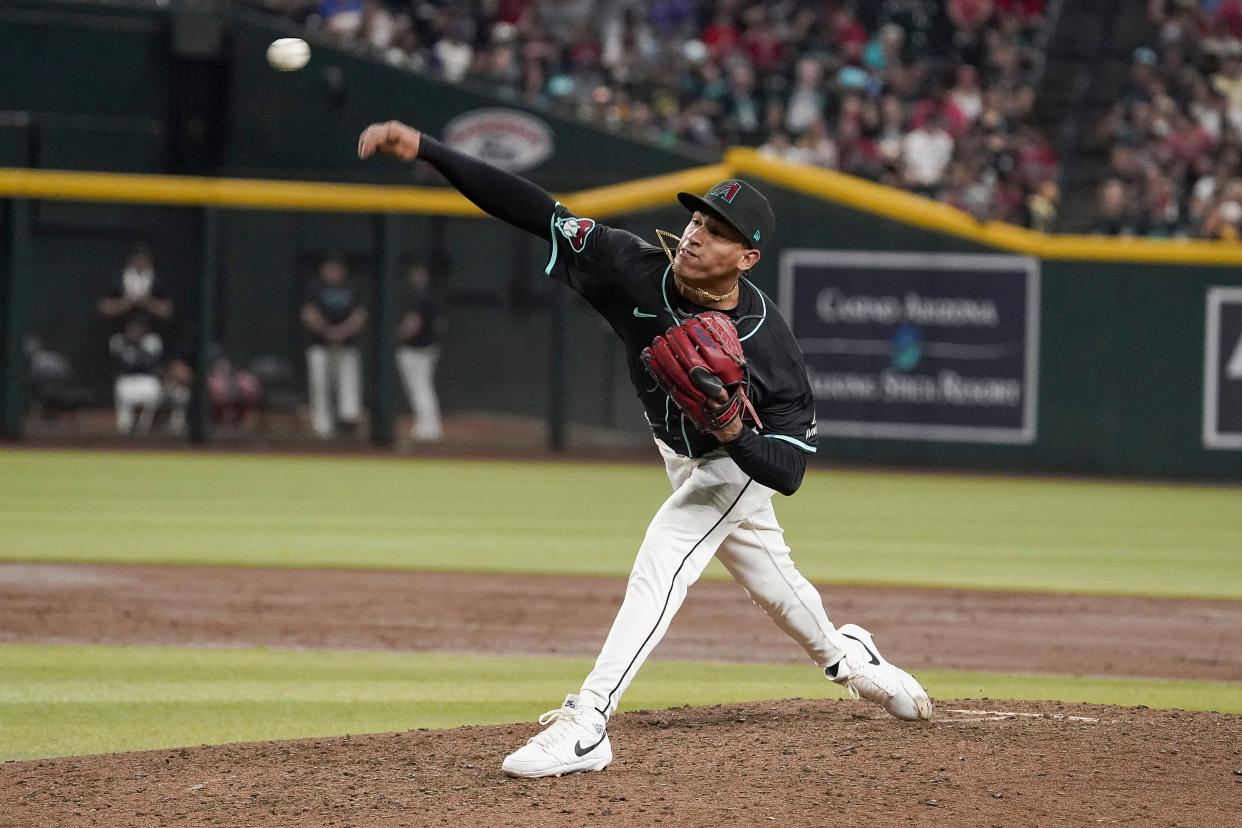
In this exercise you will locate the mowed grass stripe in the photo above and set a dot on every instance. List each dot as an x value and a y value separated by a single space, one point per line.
844 526
71 700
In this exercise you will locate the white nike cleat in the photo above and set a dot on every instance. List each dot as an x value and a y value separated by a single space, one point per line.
866 674
575 740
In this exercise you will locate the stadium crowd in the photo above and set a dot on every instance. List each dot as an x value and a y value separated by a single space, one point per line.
1174 139
934 96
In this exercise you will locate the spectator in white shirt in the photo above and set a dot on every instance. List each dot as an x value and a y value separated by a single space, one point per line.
926 152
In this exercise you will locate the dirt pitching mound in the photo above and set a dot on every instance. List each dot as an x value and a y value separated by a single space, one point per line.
793 762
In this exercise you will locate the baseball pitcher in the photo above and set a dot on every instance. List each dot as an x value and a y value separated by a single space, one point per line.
723 385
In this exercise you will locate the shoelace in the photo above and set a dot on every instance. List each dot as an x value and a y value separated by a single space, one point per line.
559 720
866 672
850 689
873 674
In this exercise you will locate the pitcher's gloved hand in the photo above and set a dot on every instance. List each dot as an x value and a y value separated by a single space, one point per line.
701 365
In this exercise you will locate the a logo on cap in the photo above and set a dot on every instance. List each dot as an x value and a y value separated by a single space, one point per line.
726 191
756 235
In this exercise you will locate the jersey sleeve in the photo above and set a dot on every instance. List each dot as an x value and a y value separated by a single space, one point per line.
776 465
588 256
592 258
791 419
508 197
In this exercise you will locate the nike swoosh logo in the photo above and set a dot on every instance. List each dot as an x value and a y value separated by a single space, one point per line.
581 751
642 315
875 659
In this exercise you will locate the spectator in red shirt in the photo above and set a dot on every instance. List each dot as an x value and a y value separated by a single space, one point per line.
970 15
721 36
856 153
939 103
761 43
1188 140
512 11
848 34
1028 12
1228 13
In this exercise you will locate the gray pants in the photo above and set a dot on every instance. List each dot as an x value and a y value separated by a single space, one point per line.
417 367
334 373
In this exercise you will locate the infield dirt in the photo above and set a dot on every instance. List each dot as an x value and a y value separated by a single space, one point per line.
795 762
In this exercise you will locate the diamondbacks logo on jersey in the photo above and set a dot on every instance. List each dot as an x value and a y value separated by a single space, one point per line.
576 231
726 191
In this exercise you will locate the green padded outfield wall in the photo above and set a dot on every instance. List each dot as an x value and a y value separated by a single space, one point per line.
1121 346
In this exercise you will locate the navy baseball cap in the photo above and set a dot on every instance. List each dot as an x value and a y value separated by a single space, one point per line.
741 206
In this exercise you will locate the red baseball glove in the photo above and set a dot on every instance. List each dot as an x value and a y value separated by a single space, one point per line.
700 364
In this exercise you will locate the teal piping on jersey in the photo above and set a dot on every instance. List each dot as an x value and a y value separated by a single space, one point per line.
664 290
763 318
805 447
668 401
547 271
758 325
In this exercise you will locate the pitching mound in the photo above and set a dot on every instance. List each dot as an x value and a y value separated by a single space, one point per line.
793 763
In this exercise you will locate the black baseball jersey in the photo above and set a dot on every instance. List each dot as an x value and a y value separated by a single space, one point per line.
423 303
630 282
136 356
334 302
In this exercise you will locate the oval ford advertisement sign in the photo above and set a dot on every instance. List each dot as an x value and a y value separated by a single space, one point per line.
507 138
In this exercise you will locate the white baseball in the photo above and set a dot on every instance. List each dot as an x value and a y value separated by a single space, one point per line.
288 54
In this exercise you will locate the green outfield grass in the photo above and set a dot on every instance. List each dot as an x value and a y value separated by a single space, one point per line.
844 527
71 700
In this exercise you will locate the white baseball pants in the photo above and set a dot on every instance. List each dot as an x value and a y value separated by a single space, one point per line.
418 375
136 397
715 509
333 370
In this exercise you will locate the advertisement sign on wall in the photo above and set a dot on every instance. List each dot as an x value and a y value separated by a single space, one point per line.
507 138
1222 369
914 346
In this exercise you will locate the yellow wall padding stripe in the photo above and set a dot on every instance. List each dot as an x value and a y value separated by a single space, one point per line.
853 192
602 202
1140 251
932 215
232 192
618 199
645 193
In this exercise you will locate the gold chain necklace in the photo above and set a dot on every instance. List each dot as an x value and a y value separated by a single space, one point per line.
705 294
662 235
